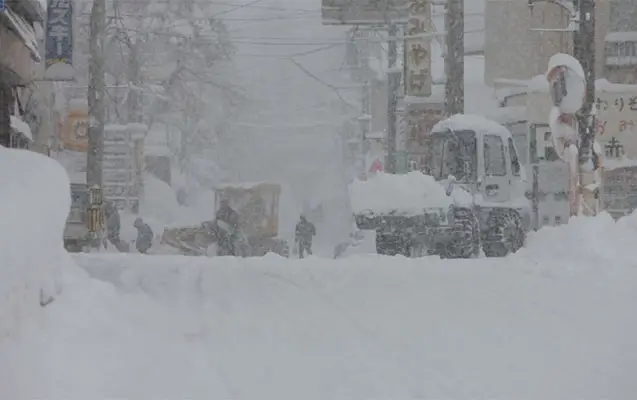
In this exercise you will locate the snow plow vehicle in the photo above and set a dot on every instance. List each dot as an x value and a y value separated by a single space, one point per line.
469 196
257 206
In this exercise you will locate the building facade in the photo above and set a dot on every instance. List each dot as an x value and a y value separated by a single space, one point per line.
516 49
18 57
620 55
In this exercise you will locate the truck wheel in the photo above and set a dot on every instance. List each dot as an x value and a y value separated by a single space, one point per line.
468 245
504 235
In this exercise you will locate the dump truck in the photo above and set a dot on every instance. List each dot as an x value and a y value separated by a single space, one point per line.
258 208
468 196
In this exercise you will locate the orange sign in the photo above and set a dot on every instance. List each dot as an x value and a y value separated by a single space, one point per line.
74 135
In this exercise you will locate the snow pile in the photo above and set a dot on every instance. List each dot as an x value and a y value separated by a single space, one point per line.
530 326
35 200
407 194
600 241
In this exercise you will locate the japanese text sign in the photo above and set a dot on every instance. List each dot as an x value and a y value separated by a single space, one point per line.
59 41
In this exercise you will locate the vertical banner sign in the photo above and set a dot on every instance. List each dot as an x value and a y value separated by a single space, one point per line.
59 41
418 52
1 5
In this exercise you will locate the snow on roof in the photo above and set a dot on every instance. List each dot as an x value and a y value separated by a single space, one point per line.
21 127
619 37
407 194
460 122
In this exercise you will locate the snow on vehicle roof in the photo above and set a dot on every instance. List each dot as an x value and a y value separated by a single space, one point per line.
407 194
477 123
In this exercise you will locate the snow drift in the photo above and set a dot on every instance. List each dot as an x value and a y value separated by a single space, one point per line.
550 322
35 198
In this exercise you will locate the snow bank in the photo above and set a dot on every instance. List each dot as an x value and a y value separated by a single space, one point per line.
600 241
35 198
542 324
407 194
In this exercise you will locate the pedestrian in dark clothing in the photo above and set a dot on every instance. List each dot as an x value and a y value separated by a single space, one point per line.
144 236
226 240
113 226
303 234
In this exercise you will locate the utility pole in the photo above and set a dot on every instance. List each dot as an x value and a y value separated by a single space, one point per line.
454 57
392 88
134 81
584 51
96 95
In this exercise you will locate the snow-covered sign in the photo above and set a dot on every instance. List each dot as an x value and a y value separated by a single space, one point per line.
120 167
616 117
59 41
364 12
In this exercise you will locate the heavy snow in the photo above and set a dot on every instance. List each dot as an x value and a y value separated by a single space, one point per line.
554 321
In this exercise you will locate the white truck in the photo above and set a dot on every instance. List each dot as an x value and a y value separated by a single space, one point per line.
470 196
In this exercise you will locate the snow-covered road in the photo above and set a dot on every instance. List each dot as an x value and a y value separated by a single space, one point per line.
535 325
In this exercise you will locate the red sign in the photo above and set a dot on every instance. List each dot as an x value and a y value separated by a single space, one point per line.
376 167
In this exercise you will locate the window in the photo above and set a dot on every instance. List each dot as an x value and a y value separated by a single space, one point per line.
515 161
494 159
452 153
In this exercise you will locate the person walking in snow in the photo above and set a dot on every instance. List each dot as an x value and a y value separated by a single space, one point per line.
145 236
303 235
113 226
226 240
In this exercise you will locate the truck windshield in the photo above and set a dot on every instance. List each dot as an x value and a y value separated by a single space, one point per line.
452 153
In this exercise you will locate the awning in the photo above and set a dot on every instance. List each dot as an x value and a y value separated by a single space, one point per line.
22 127
23 29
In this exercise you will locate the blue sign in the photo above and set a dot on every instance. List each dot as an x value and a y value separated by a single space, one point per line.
1 5
59 41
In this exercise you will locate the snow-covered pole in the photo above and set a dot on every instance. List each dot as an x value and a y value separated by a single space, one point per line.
454 57
584 49
392 100
96 94
572 118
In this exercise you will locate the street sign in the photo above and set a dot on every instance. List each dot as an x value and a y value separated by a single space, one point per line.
59 41
364 12
418 51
